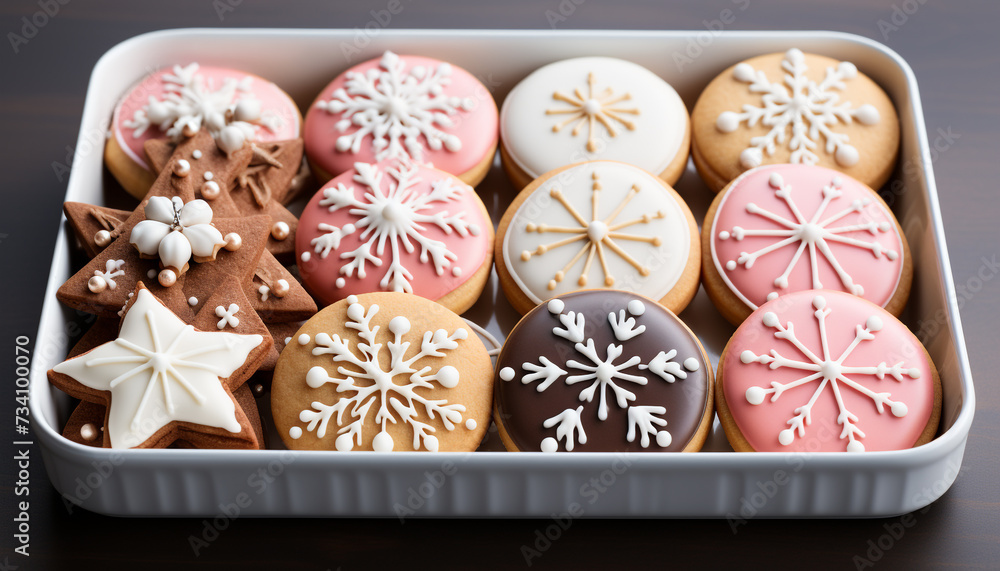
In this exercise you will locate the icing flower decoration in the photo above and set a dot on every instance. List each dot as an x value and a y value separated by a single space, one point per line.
175 232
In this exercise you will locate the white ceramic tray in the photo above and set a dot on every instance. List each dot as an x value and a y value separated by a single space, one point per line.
489 482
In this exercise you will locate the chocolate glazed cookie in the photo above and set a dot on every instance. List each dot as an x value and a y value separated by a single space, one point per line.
599 371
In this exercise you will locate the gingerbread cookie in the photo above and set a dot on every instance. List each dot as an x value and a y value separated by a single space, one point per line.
603 371
383 371
394 226
257 188
794 108
403 107
598 224
783 228
162 379
106 234
823 371
591 108
86 423
174 103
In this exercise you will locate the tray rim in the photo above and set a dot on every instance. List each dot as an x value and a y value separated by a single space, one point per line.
945 444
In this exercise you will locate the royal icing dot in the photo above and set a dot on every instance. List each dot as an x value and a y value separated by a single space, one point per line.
88 432
295 432
303 339
471 424
192 301
196 154
507 373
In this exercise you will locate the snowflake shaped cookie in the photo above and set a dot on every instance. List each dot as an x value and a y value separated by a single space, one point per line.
827 371
190 103
603 372
800 111
401 109
389 388
161 370
812 233
391 218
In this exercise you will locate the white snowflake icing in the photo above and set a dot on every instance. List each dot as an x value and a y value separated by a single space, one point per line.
814 233
395 216
189 103
396 107
811 109
106 278
161 369
830 372
362 374
603 374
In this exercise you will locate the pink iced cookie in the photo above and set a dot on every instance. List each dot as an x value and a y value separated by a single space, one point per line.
824 371
403 107
784 228
175 101
392 226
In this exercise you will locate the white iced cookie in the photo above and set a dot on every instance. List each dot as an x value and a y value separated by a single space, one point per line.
601 224
593 108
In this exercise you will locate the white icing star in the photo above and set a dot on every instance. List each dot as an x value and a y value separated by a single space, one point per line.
160 370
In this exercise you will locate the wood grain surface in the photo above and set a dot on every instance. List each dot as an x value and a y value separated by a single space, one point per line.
953 49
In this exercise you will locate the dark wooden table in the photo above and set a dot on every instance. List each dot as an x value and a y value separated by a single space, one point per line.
951 45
